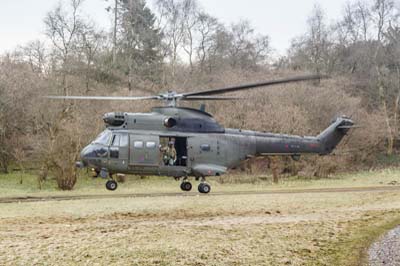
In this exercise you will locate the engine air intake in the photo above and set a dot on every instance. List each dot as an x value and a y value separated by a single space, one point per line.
114 119
170 122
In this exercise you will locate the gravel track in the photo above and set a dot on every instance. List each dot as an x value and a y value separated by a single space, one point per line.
195 194
386 251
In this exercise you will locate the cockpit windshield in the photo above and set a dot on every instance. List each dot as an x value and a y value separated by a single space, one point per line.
103 138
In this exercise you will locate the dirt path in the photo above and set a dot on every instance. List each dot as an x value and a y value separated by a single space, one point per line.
193 194
386 251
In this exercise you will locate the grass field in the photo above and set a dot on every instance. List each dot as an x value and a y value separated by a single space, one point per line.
261 229
10 185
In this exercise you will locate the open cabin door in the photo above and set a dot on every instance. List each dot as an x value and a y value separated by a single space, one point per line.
144 150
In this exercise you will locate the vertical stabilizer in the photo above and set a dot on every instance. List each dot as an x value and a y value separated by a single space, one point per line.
331 136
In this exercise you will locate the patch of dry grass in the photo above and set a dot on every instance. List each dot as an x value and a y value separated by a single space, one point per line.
10 184
280 229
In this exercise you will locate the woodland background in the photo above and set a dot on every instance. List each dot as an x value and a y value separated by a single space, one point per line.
178 46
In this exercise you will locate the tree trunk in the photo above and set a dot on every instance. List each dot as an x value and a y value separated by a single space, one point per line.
4 165
114 50
390 136
275 169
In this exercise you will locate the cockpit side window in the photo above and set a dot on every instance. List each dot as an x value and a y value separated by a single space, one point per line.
120 140
115 140
114 149
103 138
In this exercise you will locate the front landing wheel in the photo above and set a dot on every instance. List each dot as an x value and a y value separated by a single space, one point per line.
111 185
186 186
204 188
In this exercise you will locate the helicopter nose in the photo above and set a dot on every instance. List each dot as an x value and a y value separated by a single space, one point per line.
85 154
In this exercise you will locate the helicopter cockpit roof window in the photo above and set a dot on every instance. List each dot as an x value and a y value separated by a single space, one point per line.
103 138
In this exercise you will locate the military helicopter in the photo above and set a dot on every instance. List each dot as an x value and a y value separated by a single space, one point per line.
134 143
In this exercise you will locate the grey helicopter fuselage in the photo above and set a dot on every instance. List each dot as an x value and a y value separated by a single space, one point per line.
132 143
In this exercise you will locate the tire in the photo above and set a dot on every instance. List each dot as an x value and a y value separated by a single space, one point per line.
111 185
200 188
186 186
206 188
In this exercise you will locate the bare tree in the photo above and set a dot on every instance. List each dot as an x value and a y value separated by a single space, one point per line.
207 28
363 16
19 87
173 29
62 28
36 55
91 41
190 20
383 12
241 34
261 50
318 37
115 10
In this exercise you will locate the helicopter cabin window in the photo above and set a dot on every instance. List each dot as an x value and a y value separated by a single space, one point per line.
138 144
205 147
173 151
124 140
150 145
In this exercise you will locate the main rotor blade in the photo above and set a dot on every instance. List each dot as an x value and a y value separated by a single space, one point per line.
104 98
210 98
349 127
253 85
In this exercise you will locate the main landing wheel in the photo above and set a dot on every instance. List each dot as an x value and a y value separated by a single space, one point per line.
186 186
111 185
204 188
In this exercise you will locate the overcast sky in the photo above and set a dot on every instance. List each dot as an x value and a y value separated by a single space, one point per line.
22 20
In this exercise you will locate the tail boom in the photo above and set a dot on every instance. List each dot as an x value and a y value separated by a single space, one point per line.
324 143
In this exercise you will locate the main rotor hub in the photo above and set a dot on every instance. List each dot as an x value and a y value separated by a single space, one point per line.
170 98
